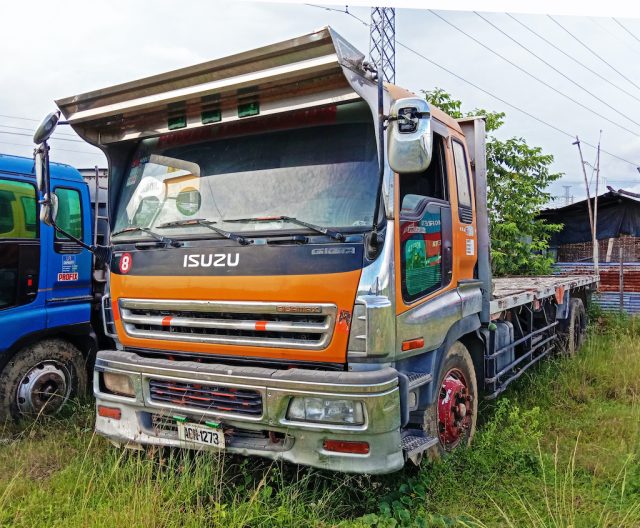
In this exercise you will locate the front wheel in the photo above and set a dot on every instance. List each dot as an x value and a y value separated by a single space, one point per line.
452 417
40 379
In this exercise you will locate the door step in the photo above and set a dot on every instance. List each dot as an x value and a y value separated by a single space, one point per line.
418 379
416 441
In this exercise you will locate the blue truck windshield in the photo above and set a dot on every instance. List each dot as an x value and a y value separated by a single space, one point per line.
325 175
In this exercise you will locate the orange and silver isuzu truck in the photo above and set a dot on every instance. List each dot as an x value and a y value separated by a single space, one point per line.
299 264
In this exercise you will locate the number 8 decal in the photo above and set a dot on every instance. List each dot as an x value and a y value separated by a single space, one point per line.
125 263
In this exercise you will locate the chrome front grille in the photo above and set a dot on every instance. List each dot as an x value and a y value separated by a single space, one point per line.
197 396
283 325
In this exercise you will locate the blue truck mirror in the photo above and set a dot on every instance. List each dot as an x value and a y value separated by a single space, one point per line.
46 128
49 209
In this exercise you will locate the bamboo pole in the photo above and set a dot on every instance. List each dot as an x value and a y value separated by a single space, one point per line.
586 185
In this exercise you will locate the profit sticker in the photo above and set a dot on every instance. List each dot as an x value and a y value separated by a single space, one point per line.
69 269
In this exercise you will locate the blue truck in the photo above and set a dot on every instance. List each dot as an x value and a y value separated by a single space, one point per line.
49 324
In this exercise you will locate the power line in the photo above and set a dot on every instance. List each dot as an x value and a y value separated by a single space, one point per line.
554 68
21 118
31 135
31 130
559 92
625 28
616 35
600 76
56 150
497 98
593 52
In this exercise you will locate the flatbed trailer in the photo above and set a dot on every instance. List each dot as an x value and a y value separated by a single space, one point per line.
525 303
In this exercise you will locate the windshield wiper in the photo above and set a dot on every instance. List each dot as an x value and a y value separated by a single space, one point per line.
208 224
159 238
336 235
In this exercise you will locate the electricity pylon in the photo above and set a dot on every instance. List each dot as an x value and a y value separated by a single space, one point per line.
382 46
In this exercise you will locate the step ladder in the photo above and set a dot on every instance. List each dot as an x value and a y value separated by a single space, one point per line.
415 442
99 275
418 379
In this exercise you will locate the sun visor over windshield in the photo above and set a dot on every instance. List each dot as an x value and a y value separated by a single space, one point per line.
315 69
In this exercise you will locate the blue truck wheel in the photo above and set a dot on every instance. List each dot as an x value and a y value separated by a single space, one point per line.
40 380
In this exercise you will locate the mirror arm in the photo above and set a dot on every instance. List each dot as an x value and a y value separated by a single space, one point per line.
102 253
376 239
71 237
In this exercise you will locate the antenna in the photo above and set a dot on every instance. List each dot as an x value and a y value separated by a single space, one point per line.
382 45
567 194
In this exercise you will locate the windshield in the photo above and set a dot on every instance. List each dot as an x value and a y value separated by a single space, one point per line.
324 175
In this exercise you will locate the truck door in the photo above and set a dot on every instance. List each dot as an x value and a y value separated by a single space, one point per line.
427 302
69 264
425 230
19 259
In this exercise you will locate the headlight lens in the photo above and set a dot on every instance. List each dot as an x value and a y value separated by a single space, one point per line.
323 410
118 384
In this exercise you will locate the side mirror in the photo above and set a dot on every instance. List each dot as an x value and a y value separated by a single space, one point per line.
410 143
46 128
49 209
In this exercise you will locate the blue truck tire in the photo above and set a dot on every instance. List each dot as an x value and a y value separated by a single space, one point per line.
40 379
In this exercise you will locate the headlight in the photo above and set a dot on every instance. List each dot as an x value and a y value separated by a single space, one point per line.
118 384
326 411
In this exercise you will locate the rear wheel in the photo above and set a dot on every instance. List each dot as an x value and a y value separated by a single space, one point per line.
452 417
575 328
40 379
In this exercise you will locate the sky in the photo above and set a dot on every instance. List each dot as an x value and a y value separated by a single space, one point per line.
70 49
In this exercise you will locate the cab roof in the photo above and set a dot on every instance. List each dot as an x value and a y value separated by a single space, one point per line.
311 70
25 166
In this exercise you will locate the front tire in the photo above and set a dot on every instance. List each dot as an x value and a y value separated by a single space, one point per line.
40 379
453 416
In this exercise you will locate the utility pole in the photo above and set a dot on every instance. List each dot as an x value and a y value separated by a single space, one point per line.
382 44
596 248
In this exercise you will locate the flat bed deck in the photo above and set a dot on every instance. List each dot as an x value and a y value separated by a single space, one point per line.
510 292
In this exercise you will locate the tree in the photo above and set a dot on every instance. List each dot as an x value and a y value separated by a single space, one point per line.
517 178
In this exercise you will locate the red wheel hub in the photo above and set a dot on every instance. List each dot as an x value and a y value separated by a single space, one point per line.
454 409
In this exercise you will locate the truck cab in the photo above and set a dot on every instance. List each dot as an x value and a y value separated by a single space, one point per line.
45 292
300 263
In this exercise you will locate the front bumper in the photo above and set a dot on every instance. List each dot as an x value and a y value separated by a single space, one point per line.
147 421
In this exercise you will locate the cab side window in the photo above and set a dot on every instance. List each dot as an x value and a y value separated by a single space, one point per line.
431 183
17 210
6 212
425 227
69 213
465 211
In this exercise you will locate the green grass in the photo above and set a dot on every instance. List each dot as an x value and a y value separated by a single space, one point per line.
560 449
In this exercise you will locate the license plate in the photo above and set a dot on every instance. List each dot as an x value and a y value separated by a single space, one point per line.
200 435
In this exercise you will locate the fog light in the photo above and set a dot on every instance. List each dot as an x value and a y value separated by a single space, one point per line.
118 384
323 410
